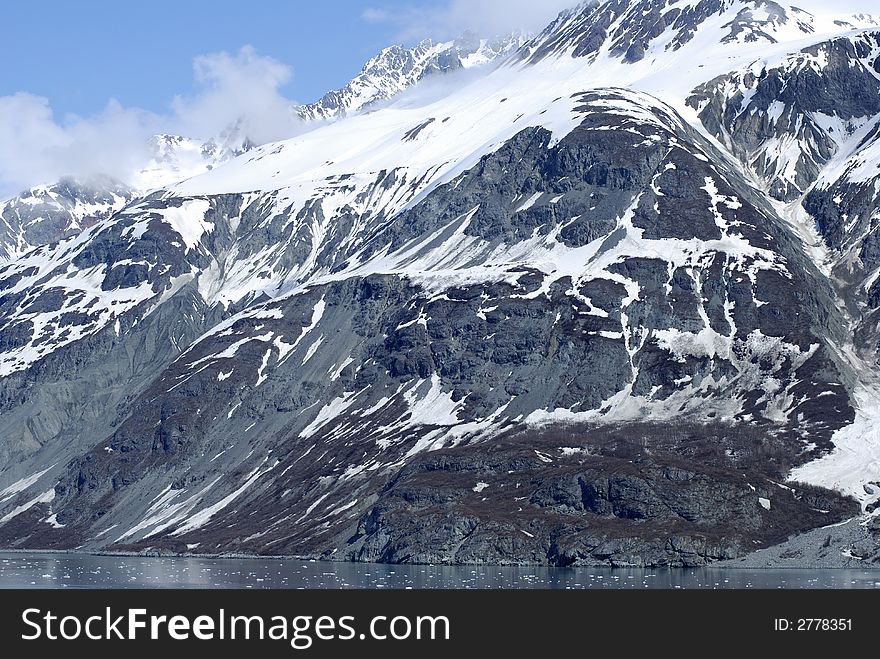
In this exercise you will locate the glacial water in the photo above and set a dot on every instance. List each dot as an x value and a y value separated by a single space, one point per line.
51 570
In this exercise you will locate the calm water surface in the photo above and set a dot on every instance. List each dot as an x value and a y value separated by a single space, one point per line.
19 570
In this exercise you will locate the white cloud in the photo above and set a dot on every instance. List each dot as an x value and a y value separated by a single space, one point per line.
35 147
485 17
243 88
376 15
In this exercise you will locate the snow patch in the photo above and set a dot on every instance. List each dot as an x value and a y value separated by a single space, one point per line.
46 497
22 484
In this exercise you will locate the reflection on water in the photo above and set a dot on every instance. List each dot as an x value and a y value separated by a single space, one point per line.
84 571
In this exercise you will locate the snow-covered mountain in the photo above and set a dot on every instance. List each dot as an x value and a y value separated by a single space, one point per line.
49 213
398 68
67 206
608 301
174 158
46 214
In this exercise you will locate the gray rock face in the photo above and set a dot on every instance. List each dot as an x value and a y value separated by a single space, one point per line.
808 129
546 498
816 99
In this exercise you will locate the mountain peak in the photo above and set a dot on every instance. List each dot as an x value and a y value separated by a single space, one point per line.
629 29
175 157
596 271
45 214
398 67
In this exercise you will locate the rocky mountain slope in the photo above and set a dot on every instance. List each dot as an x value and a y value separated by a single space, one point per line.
49 213
46 214
575 309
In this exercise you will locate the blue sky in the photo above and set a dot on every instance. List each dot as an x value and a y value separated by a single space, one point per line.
79 54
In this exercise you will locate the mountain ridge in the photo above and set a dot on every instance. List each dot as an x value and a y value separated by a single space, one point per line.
535 318
397 68
173 158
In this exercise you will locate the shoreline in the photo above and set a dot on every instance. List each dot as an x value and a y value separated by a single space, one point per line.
836 546
745 564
